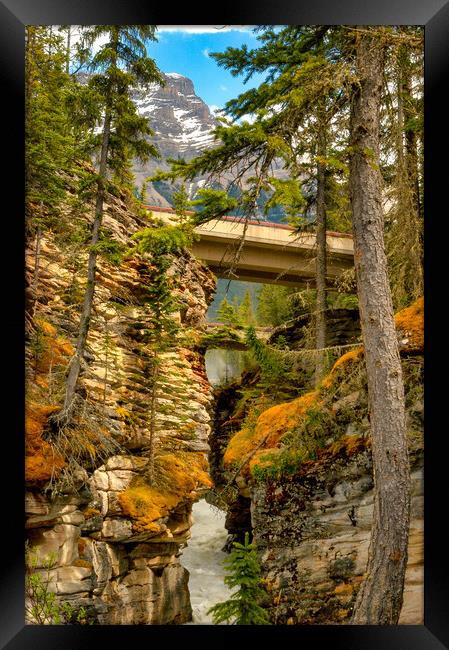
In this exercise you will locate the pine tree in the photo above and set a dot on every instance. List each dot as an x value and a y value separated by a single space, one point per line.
181 204
50 142
243 607
228 313
162 244
402 157
117 65
293 108
273 305
379 600
245 310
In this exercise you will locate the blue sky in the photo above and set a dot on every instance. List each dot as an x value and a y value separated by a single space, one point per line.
185 49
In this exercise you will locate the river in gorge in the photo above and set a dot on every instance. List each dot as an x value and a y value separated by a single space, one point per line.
223 366
203 556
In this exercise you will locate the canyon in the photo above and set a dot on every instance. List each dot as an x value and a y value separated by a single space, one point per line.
107 535
116 540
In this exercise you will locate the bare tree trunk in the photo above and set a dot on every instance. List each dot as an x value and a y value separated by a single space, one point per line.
379 600
75 364
152 406
320 272
37 258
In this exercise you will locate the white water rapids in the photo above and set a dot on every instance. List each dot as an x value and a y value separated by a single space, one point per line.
203 558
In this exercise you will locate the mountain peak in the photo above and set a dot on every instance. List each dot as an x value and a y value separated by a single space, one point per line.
174 75
182 122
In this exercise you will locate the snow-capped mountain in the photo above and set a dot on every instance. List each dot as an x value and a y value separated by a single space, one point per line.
183 127
182 123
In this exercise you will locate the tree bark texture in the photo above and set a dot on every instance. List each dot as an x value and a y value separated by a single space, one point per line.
320 268
75 365
379 600
152 409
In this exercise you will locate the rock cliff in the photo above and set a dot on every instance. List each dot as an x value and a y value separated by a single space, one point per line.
299 477
182 125
114 537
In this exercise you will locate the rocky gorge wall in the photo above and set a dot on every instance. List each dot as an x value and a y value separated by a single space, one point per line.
299 478
313 536
113 536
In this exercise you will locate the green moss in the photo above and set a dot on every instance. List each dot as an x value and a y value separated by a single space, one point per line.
220 337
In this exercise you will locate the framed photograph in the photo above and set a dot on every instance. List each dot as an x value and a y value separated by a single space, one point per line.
161 417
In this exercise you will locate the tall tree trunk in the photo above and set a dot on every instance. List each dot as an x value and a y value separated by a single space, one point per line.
320 269
380 597
75 364
152 408
37 260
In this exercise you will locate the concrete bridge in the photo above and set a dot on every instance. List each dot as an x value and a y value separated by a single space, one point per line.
272 253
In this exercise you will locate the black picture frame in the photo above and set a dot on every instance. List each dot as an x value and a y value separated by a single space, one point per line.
14 15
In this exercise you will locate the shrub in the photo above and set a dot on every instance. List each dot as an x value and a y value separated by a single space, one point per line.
42 606
242 608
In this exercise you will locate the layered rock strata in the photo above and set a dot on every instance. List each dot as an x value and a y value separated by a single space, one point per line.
113 535
313 535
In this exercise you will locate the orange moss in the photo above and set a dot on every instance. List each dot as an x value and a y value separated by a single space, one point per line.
56 350
90 512
349 357
410 323
122 412
41 461
252 443
274 423
262 460
352 355
186 473
83 563
42 382
144 504
270 428
346 445
46 327
344 589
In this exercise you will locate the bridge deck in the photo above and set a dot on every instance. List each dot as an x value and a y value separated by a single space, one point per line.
271 252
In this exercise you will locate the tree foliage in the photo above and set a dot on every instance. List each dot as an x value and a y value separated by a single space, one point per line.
242 608
42 605
50 138
118 64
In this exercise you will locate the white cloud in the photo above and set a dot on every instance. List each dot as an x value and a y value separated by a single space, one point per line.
205 52
250 117
223 87
205 29
214 108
